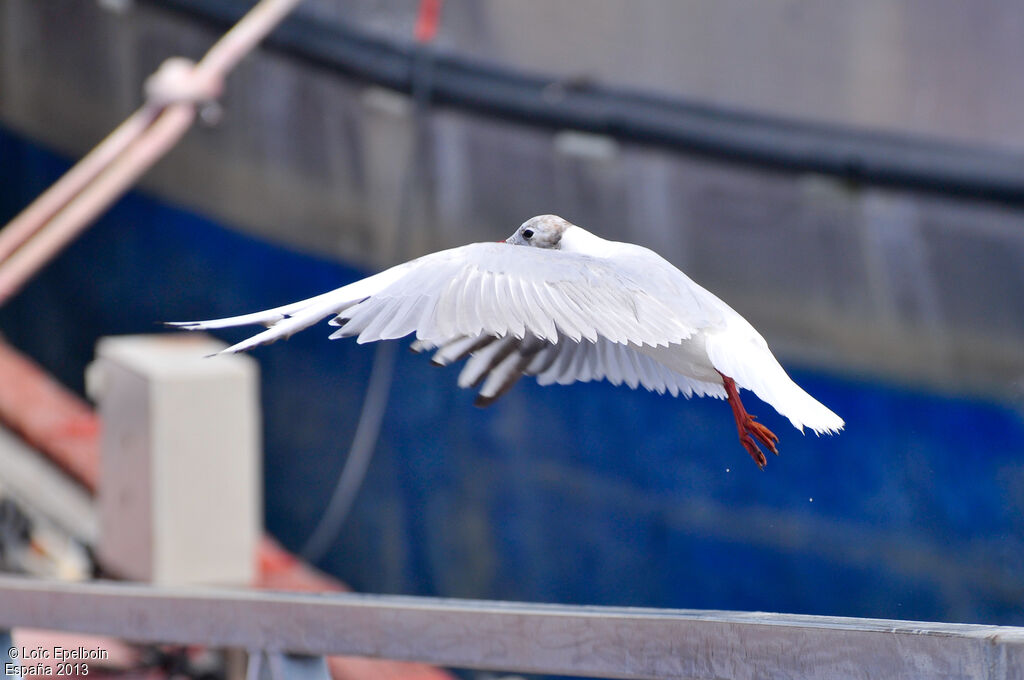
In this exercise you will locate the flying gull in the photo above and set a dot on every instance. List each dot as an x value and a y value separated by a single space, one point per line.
559 303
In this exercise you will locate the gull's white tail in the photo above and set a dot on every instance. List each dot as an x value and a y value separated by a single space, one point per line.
746 359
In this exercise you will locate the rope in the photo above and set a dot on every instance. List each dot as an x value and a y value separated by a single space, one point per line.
173 93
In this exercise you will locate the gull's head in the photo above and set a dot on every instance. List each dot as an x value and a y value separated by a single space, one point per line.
542 231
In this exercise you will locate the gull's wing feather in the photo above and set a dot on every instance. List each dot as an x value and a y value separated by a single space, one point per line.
491 289
500 361
497 289
283 321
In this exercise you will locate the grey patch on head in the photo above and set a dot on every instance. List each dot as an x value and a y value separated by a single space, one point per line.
542 231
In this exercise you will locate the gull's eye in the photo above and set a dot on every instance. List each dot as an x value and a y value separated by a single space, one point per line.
527 233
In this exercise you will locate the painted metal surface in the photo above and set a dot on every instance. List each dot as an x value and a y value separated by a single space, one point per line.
886 283
584 494
507 636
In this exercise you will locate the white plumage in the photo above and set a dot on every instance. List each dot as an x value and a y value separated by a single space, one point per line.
564 305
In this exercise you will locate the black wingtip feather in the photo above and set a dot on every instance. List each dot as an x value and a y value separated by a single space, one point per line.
483 402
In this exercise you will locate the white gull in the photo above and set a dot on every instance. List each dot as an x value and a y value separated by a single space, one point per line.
557 302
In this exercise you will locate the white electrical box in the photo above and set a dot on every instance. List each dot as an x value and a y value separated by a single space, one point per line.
180 498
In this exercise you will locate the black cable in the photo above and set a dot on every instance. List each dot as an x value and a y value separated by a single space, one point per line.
375 401
769 142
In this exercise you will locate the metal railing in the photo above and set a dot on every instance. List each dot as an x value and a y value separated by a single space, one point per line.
532 638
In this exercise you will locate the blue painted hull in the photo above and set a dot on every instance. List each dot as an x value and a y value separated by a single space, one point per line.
583 494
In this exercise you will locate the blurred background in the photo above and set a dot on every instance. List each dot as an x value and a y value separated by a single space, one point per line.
848 176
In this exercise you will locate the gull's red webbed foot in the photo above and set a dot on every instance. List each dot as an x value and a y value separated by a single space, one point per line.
748 428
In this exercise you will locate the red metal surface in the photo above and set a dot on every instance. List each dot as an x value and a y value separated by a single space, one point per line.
428 20
48 417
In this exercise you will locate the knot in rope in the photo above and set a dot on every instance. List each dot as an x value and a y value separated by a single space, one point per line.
179 80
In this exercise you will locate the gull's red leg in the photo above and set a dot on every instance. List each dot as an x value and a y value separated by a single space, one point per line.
747 427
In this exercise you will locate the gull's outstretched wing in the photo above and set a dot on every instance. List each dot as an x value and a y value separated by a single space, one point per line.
499 290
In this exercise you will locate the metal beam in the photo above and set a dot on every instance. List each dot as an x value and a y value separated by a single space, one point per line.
531 638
